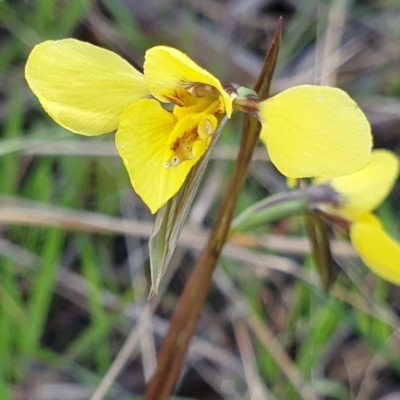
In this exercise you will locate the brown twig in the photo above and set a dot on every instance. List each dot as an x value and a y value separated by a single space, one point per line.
190 303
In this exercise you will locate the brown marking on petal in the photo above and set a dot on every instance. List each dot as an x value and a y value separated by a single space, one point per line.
176 97
181 96
220 107
190 137
175 146
182 148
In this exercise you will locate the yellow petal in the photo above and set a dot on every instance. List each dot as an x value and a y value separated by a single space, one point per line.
364 190
313 131
143 141
82 87
167 71
378 250
199 105
291 183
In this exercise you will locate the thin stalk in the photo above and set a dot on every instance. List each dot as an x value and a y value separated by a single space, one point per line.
320 247
190 303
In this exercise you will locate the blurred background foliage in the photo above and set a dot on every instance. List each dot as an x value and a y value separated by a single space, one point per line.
73 245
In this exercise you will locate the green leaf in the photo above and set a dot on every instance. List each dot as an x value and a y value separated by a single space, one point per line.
170 219
282 205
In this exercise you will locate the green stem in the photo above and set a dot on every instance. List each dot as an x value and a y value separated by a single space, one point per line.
191 301
320 248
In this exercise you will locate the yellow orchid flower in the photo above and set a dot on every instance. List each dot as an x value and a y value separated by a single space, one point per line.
362 192
166 118
92 91
171 142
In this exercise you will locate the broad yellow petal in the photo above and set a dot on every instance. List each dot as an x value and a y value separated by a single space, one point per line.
82 87
364 190
313 131
144 143
378 250
167 71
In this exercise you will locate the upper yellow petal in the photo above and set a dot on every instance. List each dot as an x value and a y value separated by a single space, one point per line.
83 87
313 131
364 190
144 140
376 248
167 71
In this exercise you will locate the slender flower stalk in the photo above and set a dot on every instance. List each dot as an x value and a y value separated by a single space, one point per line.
191 301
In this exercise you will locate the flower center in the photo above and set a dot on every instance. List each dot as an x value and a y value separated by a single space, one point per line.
189 130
